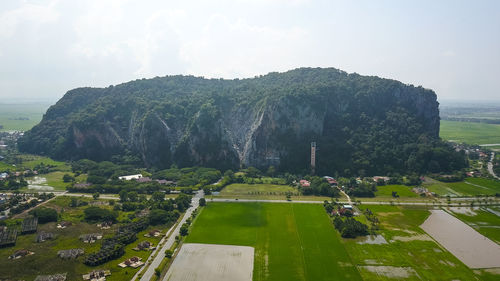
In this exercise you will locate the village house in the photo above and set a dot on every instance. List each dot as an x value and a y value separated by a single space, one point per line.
105 225
331 181
377 178
82 185
97 275
43 236
166 182
144 245
90 238
304 183
153 233
133 262
144 179
70 254
64 224
20 253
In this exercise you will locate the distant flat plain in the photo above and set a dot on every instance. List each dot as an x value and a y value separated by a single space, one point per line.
21 117
470 132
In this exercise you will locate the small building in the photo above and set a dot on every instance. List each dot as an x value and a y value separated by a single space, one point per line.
166 182
331 181
144 179
153 233
130 177
304 183
90 238
105 225
97 275
20 253
347 206
44 236
144 245
64 224
133 262
82 185
377 178
70 254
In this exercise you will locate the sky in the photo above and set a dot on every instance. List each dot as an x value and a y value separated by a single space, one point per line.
48 47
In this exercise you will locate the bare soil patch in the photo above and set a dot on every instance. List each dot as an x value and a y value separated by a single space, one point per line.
209 262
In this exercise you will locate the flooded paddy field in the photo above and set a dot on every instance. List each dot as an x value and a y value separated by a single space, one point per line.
39 184
472 248
485 220
408 252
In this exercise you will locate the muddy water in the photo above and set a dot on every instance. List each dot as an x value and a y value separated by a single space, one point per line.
39 183
469 246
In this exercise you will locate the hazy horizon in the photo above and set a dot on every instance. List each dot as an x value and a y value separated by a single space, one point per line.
50 47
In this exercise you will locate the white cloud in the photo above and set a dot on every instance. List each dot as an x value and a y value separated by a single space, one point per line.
27 12
247 50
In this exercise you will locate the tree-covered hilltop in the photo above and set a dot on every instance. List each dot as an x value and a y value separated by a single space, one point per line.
362 125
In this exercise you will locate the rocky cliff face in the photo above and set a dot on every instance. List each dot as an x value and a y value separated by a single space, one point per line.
263 121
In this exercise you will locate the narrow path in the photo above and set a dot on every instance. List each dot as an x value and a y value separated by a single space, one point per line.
490 166
27 210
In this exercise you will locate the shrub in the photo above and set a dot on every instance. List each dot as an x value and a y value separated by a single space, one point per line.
44 214
95 214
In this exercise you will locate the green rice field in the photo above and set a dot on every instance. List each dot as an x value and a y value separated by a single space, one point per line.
291 241
468 187
402 190
470 132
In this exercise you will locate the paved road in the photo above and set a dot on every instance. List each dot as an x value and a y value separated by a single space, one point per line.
490 166
174 231
442 203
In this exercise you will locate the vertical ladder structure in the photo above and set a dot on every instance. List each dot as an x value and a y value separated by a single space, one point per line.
313 157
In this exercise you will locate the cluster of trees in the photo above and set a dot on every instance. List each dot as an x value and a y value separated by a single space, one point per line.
450 178
360 188
372 219
319 186
44 214
95 213
349 227
100 172
13 183
189 176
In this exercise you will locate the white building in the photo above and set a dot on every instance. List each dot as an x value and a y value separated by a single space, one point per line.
130 177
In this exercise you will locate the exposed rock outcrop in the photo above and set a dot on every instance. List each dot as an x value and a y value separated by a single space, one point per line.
269 120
